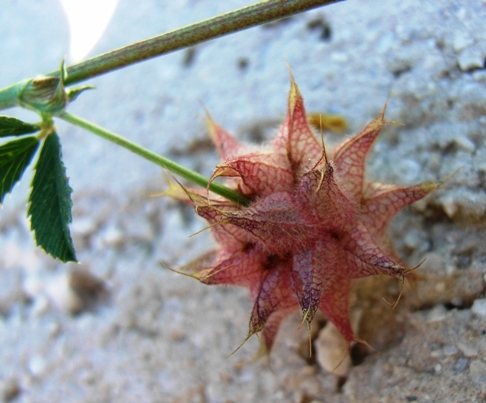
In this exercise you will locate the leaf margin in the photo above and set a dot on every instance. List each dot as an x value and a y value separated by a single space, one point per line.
23 153
50 216
10 126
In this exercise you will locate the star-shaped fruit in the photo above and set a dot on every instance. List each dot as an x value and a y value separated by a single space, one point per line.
313 225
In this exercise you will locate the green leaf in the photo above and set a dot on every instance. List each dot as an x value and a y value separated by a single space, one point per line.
73 93
14 158
50 202
10 126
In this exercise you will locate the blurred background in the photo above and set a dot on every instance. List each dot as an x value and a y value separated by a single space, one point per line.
118 327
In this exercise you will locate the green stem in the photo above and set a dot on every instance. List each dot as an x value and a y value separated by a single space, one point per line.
9 96
166 163
224 24
237 20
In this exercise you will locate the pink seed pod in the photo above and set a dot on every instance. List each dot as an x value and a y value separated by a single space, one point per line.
315 223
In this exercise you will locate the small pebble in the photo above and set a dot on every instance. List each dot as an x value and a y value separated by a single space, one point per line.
62 294
414 240
40 306
462 14
477 368
36 365
339 57
465 144
9 389
420 205
469 60
332 351
467 349
460 365
83 226
112 237
450 350
437 314
449 205
456 301
436 353
461 41
479 76
55 329
479 307
385 43
86 284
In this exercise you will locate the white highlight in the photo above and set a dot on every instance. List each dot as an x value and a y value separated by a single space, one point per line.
88 20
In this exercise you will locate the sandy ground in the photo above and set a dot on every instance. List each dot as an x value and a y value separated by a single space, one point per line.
120 328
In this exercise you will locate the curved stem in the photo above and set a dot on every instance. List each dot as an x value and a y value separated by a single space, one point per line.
166 163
